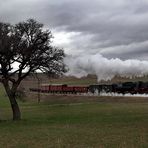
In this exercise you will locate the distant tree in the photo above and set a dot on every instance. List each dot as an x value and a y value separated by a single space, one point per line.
24 49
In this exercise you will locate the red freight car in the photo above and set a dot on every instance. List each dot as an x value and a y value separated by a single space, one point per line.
62 88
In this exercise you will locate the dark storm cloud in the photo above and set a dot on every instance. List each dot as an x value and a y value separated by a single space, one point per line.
115 28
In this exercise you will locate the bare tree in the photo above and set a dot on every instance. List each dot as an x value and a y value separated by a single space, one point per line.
25 48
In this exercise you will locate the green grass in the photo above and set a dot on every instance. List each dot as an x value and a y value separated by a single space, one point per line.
75 125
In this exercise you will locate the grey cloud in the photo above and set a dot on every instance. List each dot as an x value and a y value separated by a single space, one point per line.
102 24
131 51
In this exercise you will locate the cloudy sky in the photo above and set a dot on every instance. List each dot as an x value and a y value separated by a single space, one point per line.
112 28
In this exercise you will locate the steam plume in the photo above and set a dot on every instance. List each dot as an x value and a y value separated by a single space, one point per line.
104 68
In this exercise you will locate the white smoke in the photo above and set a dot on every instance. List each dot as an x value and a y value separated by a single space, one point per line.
104 68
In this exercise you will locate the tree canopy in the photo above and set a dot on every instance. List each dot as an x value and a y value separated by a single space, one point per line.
25 48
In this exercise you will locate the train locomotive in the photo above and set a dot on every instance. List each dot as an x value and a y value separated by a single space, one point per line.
120 88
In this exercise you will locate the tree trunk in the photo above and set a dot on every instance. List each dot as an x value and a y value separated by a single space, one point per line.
15 108
14 105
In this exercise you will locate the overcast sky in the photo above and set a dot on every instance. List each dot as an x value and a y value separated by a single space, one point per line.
113 28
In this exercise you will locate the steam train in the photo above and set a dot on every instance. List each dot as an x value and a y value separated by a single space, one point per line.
121 88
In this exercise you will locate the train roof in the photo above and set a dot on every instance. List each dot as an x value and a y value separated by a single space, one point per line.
47 84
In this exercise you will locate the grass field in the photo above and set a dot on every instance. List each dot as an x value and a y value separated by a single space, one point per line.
72 124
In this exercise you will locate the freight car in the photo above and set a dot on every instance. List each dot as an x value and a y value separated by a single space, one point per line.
127 87
132 88
61 89
142 88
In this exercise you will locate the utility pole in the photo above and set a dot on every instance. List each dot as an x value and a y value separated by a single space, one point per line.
38 83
